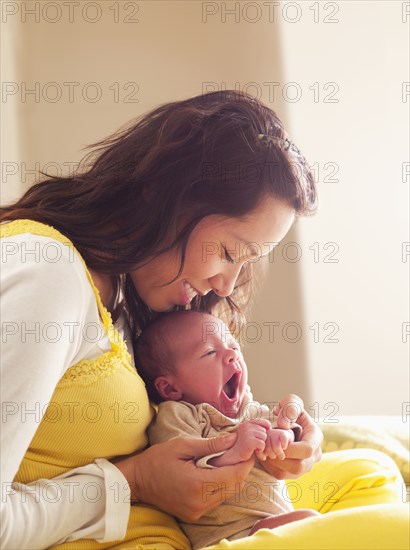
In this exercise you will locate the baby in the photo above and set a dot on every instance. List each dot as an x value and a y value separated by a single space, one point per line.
194 369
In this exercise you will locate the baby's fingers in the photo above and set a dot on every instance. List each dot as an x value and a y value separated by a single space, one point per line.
285 439
280 444
262 422
260 433
261 455
270 453
277 449
259 444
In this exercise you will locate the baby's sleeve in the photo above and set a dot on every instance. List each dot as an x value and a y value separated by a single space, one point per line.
179 419
174 419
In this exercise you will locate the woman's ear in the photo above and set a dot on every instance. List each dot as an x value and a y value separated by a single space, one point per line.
167 389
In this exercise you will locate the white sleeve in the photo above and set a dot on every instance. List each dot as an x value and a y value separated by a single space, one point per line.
45 300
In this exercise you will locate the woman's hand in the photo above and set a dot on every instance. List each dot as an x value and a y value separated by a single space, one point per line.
165 475
301 455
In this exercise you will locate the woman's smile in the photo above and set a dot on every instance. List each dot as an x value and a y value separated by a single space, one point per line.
190 292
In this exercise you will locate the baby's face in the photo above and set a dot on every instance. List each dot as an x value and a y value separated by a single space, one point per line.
210 367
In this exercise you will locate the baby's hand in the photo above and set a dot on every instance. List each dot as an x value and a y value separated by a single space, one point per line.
277 442
252 436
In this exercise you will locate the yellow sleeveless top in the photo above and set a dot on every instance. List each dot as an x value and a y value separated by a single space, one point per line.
99 409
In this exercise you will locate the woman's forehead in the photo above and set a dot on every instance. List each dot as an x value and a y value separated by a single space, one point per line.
261 224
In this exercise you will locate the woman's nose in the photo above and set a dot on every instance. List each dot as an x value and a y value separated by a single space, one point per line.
223 284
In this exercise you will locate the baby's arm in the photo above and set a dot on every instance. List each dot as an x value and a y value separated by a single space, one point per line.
251 439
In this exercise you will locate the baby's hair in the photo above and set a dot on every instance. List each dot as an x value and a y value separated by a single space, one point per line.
155 353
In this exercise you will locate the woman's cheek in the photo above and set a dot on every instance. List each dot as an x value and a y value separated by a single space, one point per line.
206 268
206 254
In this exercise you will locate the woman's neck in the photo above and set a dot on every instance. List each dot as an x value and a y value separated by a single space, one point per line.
107 286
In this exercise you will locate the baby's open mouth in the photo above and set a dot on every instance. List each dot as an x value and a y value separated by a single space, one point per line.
231 386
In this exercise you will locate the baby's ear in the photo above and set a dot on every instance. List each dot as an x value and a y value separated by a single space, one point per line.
167 389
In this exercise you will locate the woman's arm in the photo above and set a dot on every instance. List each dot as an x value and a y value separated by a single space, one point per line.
49 512
35 292
165 476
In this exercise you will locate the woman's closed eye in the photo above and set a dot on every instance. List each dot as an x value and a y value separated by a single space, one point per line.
248 258
228 257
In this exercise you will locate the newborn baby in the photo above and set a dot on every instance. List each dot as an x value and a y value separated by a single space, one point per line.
194 369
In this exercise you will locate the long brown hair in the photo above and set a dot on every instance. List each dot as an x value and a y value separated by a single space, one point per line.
191 158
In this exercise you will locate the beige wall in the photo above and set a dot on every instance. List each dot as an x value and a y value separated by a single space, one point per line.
347 62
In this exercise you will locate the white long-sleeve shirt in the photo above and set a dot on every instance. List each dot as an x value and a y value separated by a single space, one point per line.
46 300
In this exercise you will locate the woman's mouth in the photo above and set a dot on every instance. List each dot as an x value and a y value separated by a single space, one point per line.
190 292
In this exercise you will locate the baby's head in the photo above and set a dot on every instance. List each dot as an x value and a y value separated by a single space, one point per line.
192 356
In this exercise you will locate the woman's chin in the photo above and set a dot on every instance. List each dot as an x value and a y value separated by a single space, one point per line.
160 308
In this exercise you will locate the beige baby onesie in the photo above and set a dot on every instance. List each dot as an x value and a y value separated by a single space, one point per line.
261 496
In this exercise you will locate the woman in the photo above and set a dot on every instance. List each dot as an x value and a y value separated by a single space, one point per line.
165 215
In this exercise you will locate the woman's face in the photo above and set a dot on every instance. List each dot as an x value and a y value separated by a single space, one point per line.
217 249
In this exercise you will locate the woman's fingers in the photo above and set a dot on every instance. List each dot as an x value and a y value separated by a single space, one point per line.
311 432
288 410
229 475
299 459
300 450
195 448
217 484
299 456
290 468
166 476
309 445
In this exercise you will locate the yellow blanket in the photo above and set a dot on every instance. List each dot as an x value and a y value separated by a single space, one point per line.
389 434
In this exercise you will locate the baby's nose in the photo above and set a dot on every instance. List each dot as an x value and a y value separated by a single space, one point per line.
233 360
236 366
